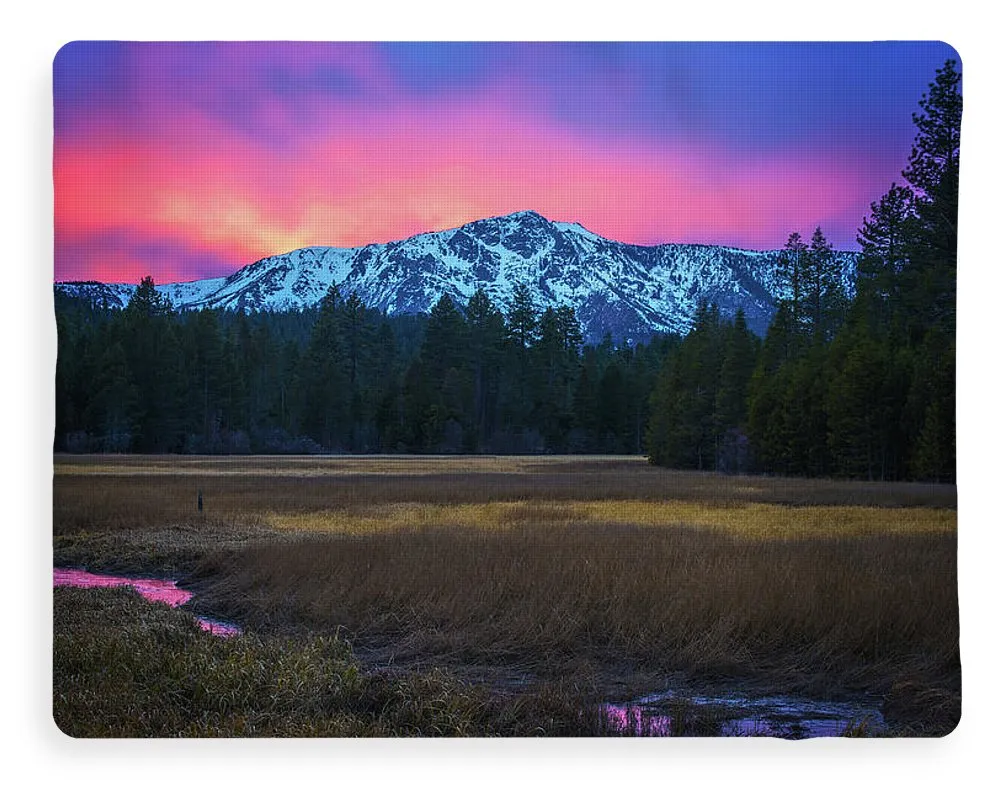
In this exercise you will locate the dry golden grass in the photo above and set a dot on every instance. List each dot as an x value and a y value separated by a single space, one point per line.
751 521
124 492
680 597
547 565
332 465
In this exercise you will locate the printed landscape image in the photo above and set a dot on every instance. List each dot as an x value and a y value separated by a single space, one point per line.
505 389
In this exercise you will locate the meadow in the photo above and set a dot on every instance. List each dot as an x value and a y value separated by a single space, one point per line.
493 595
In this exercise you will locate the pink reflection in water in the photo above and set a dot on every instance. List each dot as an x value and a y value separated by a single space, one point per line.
220 628
787 718
165 591
632 720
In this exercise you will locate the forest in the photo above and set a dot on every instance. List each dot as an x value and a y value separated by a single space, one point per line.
855 386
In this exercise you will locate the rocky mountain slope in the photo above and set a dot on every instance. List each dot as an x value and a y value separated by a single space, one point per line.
628 290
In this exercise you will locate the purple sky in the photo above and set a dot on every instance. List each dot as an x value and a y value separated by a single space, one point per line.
189 160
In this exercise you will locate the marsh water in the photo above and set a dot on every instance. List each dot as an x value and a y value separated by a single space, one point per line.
664 714
789 717
158 590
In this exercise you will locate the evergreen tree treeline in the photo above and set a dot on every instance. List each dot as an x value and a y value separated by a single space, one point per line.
862 389
344 378
859 388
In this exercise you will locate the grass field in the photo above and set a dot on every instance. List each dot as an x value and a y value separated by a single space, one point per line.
566 580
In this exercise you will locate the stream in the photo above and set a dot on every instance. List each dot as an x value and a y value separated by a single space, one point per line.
158 590
788 717
662 714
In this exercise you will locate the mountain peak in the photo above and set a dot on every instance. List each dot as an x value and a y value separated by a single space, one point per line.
526 214
627 290
524 217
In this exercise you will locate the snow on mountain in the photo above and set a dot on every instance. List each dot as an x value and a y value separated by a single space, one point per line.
117 295
112 295
628 290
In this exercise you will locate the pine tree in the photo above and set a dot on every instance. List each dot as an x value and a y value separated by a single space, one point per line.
324 388
858 406
885 238
791 275
448 416
522 319
930 407
358 331
732 398
556 360
385 394
825 300
522 333
933 164
147 301
612 411
929 281
682 430
205 361
661 429
738 363
584 437
769 419
703 349
155 360
804 413
485 346
111 412
640 376
445 344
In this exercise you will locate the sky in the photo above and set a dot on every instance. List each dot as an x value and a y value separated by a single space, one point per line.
192 159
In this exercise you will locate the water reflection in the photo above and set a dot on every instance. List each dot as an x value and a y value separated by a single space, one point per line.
165 591
780 716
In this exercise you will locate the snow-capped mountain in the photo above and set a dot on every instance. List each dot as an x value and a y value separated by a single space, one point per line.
628 290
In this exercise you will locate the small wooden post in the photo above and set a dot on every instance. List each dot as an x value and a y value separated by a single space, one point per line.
199 501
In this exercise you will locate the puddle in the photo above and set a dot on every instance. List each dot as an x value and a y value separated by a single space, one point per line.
783 717
165 591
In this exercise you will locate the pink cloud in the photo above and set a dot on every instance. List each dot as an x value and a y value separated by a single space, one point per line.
361 176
